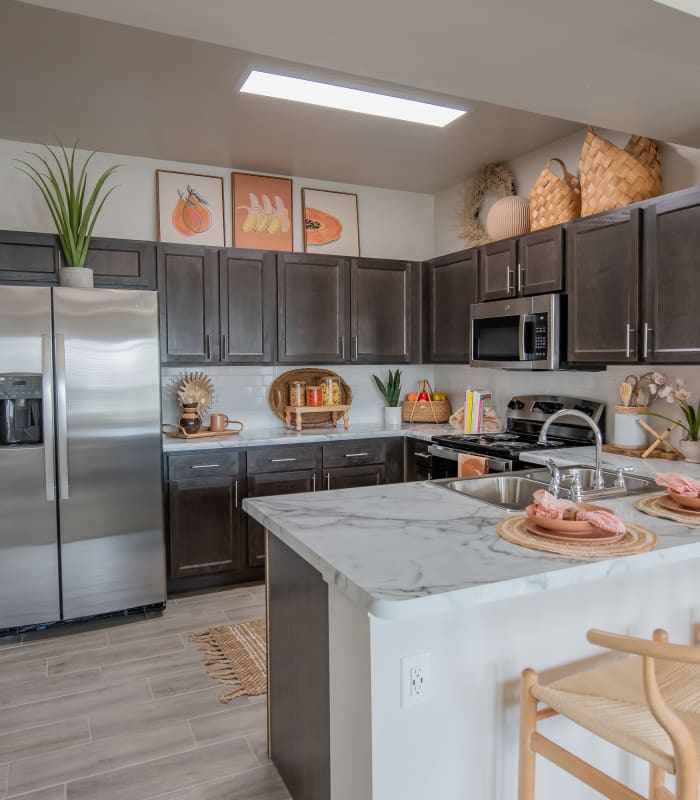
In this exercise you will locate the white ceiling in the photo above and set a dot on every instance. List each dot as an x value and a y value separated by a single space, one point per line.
632 66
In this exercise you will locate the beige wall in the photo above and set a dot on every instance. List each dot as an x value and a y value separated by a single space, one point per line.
680 169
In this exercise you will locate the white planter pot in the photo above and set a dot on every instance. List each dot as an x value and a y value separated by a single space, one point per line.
628 432
76 277
392 416
690 450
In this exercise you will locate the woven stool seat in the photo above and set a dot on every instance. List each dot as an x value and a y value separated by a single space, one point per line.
609 701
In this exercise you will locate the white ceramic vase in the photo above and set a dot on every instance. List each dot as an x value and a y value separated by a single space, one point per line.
628 431
690 450
76 277
392 416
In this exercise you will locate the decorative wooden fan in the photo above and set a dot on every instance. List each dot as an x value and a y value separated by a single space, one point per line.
196 387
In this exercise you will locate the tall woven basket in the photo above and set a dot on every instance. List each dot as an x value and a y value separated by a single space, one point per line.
612 177
554 200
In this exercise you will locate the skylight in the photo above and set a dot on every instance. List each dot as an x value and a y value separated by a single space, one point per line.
328 95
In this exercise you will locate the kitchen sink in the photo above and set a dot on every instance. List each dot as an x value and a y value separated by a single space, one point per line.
513 490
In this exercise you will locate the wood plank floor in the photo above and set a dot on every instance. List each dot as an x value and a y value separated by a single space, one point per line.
123 709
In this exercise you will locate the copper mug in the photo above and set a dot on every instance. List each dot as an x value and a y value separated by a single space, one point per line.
220 422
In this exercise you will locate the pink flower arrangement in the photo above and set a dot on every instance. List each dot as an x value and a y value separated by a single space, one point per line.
674 393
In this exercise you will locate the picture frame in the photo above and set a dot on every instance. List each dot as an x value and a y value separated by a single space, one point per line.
190 208
330 222
262 211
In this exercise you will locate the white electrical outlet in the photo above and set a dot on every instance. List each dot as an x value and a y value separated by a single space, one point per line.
416 684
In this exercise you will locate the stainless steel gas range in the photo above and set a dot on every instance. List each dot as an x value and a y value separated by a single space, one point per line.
525 417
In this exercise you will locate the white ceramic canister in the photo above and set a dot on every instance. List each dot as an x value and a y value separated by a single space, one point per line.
628 432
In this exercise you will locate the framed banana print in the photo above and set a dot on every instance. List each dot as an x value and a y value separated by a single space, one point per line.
330 222
262 212
190 208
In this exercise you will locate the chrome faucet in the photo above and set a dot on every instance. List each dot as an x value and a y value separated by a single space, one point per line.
598 481
554 478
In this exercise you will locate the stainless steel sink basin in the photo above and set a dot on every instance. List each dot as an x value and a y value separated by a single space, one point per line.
513 490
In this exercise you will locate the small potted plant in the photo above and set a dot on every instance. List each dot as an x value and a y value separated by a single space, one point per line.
63 185
690 445
391 392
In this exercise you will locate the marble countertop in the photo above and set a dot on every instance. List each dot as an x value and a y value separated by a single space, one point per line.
267 436
408 550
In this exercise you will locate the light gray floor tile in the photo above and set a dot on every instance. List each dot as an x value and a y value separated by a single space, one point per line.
115 654
228 724
52 793
187 680
21 672
164 775
53 647
116 719
43 739
73 705
157 665
44 688
180 623
237 615
10 640
262 783
258 743
63 766
82 626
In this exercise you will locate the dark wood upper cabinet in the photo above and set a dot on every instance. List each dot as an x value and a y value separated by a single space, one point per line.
381 302
29 257
248 312
602 278
188 280
312 308
498 264
449 289
122 264
540 267
670 330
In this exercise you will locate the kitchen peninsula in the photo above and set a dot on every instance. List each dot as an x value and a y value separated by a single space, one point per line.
361 578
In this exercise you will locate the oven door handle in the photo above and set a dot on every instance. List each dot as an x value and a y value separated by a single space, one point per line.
443 452
494 464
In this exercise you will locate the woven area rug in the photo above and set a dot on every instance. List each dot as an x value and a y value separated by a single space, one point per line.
235 655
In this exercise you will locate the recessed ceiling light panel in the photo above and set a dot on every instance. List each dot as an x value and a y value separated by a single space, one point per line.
328 95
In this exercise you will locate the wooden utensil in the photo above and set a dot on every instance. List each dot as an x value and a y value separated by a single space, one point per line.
625 393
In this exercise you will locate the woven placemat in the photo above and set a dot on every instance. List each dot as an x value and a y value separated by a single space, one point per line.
655 506
637 540
236 656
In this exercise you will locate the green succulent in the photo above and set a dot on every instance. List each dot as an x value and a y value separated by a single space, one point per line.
391 390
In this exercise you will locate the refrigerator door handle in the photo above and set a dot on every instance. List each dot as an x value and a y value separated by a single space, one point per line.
47 417
62 418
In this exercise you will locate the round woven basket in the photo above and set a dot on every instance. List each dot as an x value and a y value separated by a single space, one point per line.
612 177
426 410
554 200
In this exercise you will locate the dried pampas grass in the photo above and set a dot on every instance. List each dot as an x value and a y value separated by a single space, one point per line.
490 179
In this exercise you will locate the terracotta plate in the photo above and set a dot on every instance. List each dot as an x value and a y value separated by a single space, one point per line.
594 536
693 503
571 526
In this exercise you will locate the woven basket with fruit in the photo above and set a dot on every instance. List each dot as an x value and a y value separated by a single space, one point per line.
425 405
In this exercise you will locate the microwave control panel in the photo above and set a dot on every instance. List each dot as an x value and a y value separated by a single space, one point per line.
541 327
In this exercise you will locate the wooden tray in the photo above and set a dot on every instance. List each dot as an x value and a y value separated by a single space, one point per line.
636 452
299 412
279 394
202 433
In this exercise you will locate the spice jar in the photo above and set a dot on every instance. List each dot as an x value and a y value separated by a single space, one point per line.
297 393
314 396
331 392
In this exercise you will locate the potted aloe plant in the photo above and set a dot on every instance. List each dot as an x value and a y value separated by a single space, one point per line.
391 392
63 185
690 445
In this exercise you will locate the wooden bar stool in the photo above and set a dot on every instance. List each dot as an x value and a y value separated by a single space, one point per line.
648 704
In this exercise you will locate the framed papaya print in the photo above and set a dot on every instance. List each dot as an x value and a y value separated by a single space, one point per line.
262 212
330 222
190 208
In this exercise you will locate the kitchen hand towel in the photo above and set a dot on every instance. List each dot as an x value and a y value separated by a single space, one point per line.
469 466
680 484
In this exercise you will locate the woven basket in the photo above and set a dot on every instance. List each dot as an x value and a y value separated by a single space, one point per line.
612 177
426 410
554 200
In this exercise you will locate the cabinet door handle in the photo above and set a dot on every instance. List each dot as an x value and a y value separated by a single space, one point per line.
313 482
278 460
355 455
204 466
207 346
342 347
628 345
235 494
223 347
355 345
509 272
647 332
377 478
521 281
422 455
328 480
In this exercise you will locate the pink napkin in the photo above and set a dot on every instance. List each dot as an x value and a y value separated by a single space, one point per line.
680 484
546 505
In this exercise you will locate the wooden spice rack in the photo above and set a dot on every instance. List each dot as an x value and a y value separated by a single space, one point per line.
336 413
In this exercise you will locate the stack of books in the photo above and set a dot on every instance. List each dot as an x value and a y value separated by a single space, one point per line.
475 404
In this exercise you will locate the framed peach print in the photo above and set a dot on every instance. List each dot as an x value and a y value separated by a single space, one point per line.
330 222
262 212
190 208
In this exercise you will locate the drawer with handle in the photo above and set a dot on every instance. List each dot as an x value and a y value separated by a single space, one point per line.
354 453
204 465
283 458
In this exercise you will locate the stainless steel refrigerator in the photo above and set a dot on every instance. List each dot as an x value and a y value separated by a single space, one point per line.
81 528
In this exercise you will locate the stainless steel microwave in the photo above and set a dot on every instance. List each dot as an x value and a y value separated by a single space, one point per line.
519 333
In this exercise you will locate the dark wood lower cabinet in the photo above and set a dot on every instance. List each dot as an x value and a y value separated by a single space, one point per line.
348 477
299 694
